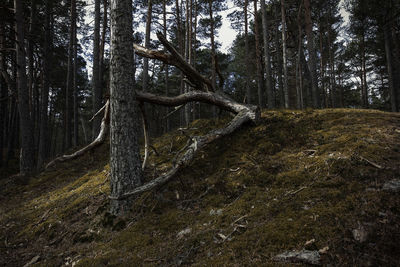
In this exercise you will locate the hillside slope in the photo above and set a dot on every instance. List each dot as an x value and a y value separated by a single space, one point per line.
315 180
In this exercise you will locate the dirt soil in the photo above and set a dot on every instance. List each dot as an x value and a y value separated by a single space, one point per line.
315 180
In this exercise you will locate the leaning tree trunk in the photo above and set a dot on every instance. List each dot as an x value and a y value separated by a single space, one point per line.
27 157
126 172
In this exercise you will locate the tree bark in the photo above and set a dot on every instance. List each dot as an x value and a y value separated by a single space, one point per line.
279 66
364 73
260 76
69 88
26 126
267 57
249 95
31 71
284 53
97 90
389 63
188 54
147 44
44 147
299 69
103 43
125 164
75 87
332 71
166 67
312 55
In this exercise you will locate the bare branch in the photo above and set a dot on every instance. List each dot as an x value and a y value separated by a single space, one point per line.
198 143
98 112
219 100
146 135
99 140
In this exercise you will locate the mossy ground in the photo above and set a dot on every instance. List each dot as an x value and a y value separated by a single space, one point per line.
297 176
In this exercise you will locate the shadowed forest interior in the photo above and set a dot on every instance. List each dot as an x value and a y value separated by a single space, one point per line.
199 132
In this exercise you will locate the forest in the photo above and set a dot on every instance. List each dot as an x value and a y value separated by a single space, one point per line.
147 123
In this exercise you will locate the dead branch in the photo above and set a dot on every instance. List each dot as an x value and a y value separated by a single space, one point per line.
175 59
172 112
98 112
99 140
371 163
146 135
216 99
187 156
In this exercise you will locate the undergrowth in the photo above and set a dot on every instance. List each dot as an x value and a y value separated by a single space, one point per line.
266 189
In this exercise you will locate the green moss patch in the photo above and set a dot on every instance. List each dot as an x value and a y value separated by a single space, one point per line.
295 177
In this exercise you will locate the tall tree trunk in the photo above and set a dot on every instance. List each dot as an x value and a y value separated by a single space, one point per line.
364 73
188 53
147 45
196 105
181 48
284 53
260 76
389 62
249 95
4 98
312 55
44 143
396 62
125 165
267 57
27 157
75 87
213 52
13 132
332 71
97 90
299 69
166 67
3 115
103 43
279 66
31 72
69 88
322 66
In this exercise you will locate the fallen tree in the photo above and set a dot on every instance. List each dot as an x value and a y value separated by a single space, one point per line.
203 92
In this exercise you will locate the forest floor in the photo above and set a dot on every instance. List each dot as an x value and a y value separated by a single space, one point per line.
322 182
